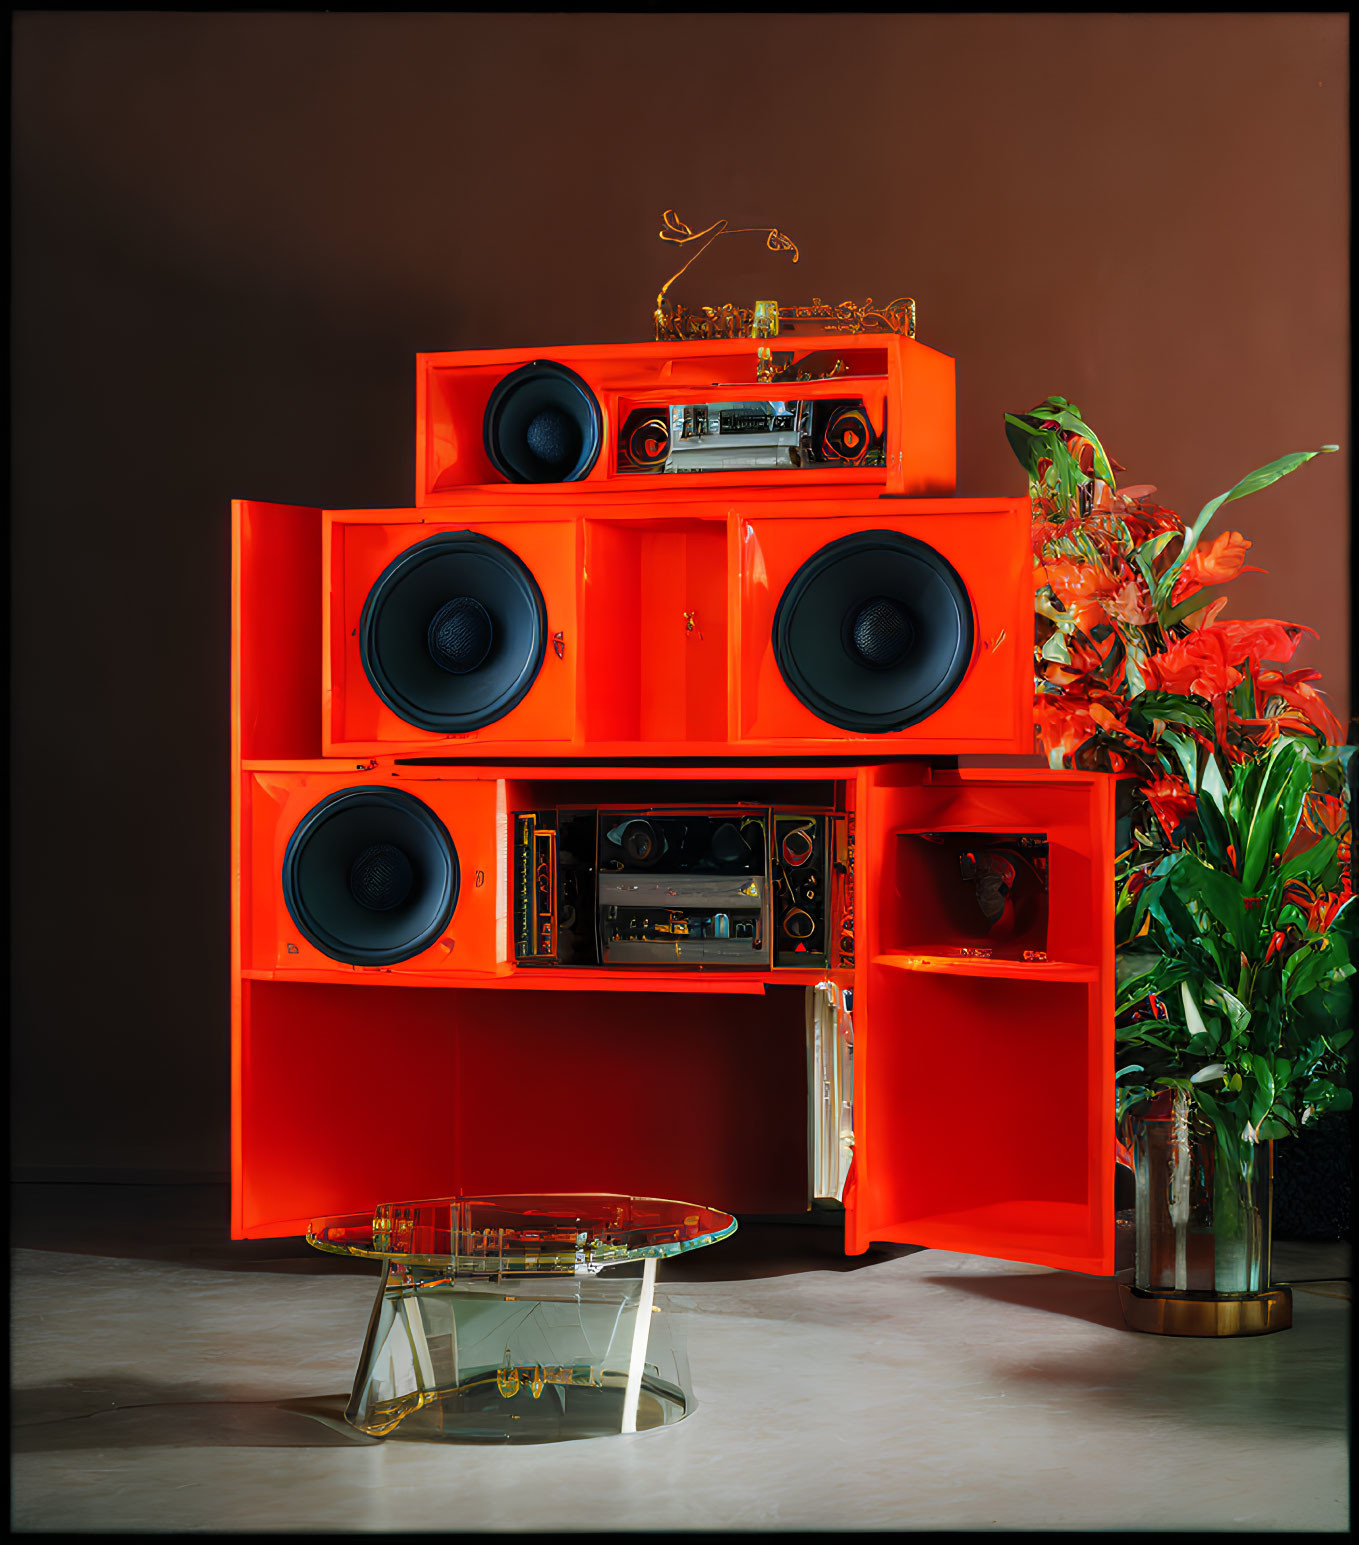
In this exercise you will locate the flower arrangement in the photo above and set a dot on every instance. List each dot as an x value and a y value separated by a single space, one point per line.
1234 915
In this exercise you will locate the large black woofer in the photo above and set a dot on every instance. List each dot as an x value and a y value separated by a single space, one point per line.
370 876
542 425
453 633
874 632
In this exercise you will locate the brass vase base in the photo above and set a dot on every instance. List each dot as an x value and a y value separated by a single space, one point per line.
1203 1314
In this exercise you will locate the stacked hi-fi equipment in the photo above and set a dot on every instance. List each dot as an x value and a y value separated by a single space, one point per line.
598 822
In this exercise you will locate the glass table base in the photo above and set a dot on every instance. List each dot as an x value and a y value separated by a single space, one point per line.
527 1360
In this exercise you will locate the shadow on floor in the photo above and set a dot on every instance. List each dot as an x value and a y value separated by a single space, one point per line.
1093 1299
132 1413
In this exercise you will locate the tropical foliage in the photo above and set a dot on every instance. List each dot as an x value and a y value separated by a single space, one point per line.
1235 920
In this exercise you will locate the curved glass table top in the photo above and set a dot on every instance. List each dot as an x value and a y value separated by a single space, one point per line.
514 1236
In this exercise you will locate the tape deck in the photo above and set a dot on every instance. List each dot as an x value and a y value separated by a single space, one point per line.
738 886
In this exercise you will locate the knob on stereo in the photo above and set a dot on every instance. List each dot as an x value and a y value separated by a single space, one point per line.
639 842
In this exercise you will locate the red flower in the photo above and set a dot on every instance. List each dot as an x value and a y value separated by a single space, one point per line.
1064 723
1171 799
1261 640
1220 561
1198 664
1293 688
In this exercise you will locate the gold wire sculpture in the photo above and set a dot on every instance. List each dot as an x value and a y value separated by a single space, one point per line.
766 318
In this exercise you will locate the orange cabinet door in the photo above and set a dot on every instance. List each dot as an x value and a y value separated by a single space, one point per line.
983 1015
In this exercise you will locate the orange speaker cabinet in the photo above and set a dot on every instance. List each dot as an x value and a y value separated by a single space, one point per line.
462 1070
475 408
712 626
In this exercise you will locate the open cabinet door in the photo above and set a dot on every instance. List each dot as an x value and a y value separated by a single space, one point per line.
984 1100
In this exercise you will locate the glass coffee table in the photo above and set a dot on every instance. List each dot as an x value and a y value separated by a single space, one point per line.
493 1324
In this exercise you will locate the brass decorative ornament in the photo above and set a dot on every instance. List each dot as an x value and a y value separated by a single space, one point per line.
766 318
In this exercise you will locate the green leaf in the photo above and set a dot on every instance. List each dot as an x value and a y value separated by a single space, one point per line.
1074 424
1213 830
1132 671
1029 443
1211 783
1055 649
1252 483
1268 814
1175 708
1271 1129
1311 863
1306 966
1238 1015
1219 895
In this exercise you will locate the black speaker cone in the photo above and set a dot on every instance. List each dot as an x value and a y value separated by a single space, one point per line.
453 633
370 876
542 425
874 632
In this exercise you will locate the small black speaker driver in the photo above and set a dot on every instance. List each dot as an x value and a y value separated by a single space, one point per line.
542 425
370 876
874 632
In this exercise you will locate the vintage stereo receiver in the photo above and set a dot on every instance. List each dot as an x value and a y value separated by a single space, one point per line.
741 887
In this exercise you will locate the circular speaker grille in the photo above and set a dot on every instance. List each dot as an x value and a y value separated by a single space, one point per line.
382 877
881 632
453 633
542 425
460 634
874 632
370 876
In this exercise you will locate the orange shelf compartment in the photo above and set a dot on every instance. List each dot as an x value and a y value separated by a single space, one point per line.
986 1119
655 650
343 1098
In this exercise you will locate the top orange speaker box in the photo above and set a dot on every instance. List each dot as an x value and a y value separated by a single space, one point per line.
877 409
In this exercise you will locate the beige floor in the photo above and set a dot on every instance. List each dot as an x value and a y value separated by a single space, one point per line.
165 1380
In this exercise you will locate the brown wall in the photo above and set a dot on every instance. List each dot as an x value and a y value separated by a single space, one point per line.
232 232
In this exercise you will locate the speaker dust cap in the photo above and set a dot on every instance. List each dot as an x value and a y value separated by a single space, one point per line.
370 876
453 633
542 425
874 632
